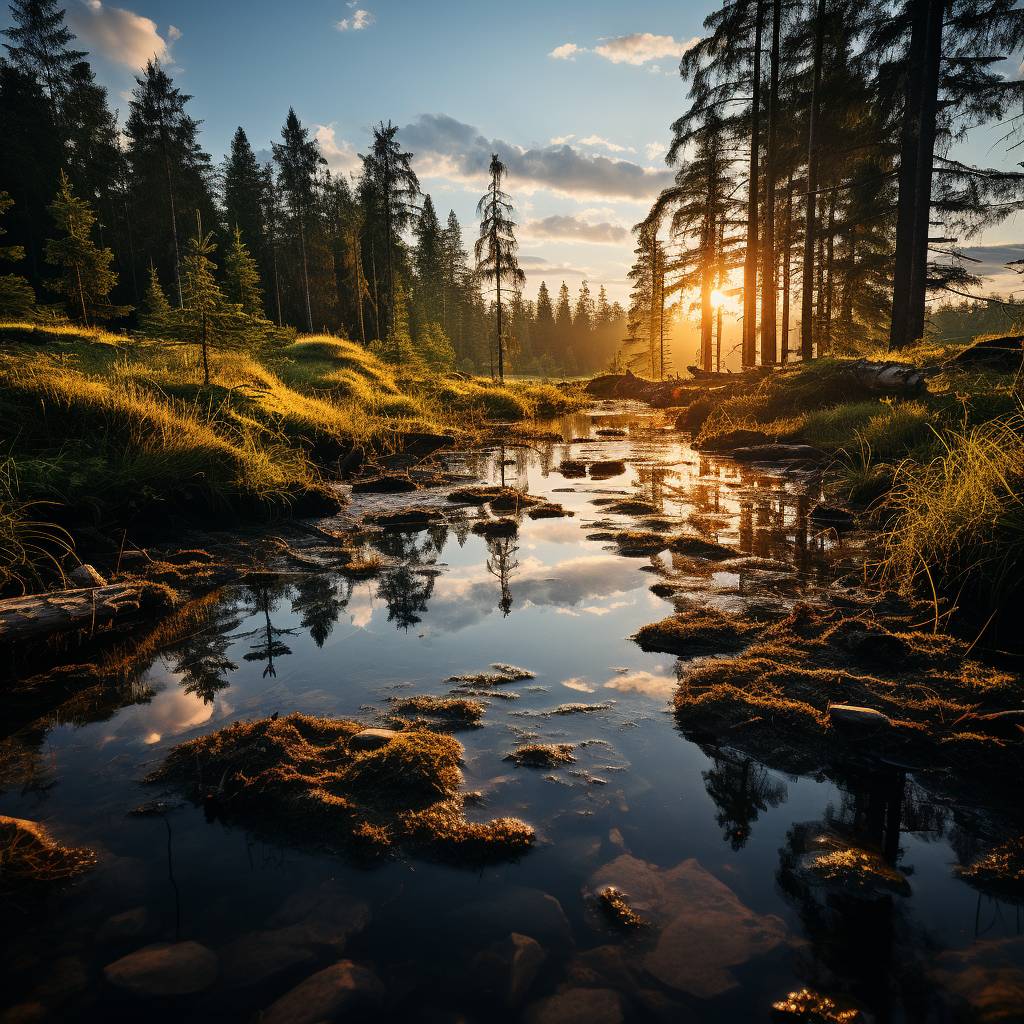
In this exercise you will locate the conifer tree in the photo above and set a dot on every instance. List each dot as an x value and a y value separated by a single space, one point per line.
39 46
86 279
165 159
16 296
429 260
390 189
298 158
562 337
244 190
156 310
544 325
496 248
242 277
454 273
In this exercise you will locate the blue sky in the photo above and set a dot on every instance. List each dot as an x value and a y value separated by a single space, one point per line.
576 96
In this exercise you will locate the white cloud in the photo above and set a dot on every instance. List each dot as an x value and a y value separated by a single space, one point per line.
641 47
614 147
567 228
360 19
653 150
447 148
561 140
340 155
567 51
120 35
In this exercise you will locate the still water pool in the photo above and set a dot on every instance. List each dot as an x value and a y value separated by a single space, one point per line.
703 839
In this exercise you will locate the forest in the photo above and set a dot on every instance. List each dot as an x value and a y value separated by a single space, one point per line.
390 632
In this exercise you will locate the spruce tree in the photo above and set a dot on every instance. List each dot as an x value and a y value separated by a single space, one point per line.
496 248
429 263
17 299
454 274
562 337
298 158
544 324
242 277
86 279
165 160
155 316
39 46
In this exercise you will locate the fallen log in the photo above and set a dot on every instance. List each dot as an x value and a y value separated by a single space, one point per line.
91 609
887 378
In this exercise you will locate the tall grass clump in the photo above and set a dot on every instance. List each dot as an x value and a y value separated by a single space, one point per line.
957 525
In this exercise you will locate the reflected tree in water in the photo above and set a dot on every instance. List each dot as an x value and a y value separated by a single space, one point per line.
319 601
407 592
502 564
741 789
268 645
201 659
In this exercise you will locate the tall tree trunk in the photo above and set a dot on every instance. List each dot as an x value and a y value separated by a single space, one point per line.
769 285
787 269
830 251
721 282
906 208
305 271
925 160
706 308
497 281
750 263
807 303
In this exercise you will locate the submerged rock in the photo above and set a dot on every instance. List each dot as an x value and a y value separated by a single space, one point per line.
330 994
506 970
701 929
986 979
578 1006
165 969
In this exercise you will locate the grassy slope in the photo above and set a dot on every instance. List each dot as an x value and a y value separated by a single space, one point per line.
942 474
110 429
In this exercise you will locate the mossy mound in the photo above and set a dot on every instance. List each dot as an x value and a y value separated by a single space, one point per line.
456 709
777 692
636 543
618 911
30 858
502 527
542 755
632 507
706 631
1000 873
695 547
299 779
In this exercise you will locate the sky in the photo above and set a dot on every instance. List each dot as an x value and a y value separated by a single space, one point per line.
576 97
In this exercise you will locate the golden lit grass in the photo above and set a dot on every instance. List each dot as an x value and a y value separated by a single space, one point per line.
958 521
1000 872
31 857
297 778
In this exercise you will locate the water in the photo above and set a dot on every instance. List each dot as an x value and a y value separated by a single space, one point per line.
705 829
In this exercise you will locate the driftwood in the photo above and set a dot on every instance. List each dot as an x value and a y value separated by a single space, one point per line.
90 609
659 393
887 378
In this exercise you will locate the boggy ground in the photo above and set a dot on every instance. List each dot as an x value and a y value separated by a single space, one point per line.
782 685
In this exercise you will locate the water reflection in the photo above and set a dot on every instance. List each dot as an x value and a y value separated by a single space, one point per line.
741 789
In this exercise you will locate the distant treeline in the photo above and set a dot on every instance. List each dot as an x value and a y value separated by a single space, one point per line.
365 256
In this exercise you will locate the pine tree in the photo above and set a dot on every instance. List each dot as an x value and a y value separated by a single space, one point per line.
17 299
242 277
429 263
39 46
165 159
298 158
245 202
389 189
86 280
496 248
544 324
454 273
156 310
562 348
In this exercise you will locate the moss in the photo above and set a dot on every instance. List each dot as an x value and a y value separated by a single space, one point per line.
30 858
1000 872
502 674
572 468
502 527
779 689
549 510
613 902
542 755
460 709
806 1006
604 470
413 517
632 507
636 543
299 779
699 632
695 547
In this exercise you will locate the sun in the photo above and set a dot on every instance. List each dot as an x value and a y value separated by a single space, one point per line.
718 298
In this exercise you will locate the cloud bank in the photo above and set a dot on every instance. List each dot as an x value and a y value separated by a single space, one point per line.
122 36
564 228
636 48
448 148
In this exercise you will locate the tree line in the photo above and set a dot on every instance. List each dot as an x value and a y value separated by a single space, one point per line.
145 230
815 184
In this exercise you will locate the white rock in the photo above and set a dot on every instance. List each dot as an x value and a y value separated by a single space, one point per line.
372 739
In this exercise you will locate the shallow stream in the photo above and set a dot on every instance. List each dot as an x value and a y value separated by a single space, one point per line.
702 833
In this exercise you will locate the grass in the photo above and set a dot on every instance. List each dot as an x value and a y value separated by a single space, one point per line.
113 430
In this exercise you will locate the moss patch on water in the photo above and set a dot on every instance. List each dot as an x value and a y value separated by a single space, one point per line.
637 543
778 690
301 780
704 631
542 755
618 911
456 709
1000 872
31 859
